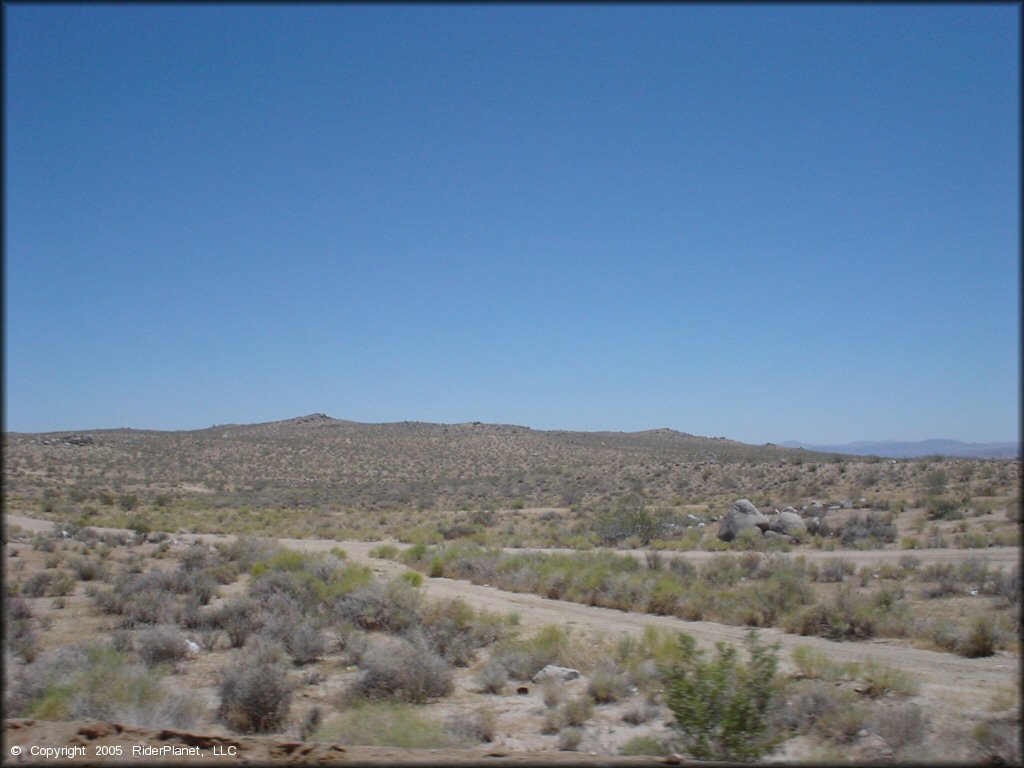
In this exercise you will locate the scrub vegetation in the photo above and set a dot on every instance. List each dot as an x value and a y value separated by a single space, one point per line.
144 623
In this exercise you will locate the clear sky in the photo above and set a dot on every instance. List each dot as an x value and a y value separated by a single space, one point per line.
759 222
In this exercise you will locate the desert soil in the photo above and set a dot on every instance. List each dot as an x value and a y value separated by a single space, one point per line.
951 687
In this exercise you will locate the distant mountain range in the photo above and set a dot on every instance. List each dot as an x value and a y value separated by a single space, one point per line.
897 450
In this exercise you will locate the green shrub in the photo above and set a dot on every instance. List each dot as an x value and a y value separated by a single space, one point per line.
450 628
385 552
943 508
665 596
578 710
814 664
880 679
414 554
524 658
721 706
847 616
644 745
606 684
412 578
386 724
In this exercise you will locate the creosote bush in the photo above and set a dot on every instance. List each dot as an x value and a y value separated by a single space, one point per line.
721 706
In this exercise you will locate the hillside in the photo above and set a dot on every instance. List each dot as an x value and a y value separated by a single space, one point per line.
317 459
320 463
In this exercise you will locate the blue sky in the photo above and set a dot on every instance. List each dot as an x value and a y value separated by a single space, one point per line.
761 222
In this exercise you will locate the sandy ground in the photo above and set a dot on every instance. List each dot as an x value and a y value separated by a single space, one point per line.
950 686
945 678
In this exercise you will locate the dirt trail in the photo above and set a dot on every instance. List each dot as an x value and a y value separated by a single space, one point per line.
948 682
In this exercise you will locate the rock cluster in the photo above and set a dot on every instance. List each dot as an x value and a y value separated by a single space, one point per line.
743 516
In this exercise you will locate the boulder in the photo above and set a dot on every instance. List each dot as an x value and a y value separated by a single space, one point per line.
554 672
741 516
789 523
770 534
870 748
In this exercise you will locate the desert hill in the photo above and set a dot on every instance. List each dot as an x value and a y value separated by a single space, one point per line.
316 460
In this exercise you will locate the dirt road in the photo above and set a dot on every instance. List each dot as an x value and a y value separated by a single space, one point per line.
947 682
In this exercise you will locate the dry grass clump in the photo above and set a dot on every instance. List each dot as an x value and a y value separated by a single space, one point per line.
387 724
20 635
304 642
161 645
574 712
847 616
492 678
87 569
48 584
606 683
255 692
454 631
640 712
552 692
569 738
238 618
999 742
91 681
525 658
818 706
395 668
901 726
980 639
384 607
473 727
